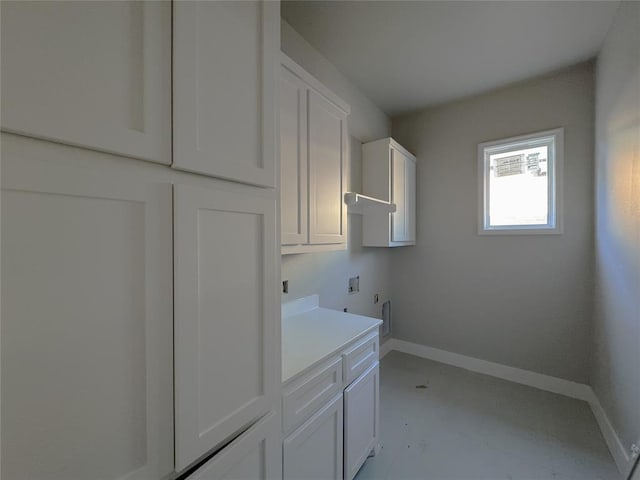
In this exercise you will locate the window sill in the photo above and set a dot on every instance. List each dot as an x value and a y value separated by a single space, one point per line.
520 231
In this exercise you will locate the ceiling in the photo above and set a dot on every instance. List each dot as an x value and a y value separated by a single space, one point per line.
407 55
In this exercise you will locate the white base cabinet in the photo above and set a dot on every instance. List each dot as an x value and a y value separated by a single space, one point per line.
389 173
361 420
330 440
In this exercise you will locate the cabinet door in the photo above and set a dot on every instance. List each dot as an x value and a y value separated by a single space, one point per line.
314 451
361 419
410 202
227 322
293 159
327 171
92 74
254 455
225 68
399 196
87 370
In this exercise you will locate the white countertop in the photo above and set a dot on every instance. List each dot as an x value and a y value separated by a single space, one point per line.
310 334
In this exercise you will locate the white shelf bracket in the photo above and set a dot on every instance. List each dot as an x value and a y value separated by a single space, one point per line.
361 204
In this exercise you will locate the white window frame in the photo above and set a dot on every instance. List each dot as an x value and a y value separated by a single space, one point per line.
553 137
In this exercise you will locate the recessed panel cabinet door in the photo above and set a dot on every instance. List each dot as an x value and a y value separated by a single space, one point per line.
327 171
398 196
410 202
86 324
91 74
227 323
254 455
293 159
361 418
224 77
314 451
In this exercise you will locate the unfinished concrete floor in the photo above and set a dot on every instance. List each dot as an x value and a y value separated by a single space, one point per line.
466 425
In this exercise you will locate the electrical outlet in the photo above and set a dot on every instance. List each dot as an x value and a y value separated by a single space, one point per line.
354 285
285 286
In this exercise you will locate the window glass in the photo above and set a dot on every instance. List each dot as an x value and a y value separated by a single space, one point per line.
520 180
519 188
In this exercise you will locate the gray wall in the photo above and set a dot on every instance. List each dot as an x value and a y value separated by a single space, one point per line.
523 301
616 363
327 273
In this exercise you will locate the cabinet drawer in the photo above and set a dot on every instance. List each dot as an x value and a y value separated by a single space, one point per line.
358 358
305 395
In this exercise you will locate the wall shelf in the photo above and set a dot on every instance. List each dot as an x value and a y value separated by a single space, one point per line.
361 204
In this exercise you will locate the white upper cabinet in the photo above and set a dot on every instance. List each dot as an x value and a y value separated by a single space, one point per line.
227 315
90 74
314 163
87 370
389 174
224 89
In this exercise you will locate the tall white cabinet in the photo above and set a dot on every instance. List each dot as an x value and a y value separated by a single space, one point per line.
227 343
389 174
140 300
314 163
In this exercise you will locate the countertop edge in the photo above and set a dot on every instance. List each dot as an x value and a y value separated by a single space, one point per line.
329 354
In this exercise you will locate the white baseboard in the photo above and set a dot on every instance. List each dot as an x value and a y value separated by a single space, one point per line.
517 375
524 377
618 452
386 347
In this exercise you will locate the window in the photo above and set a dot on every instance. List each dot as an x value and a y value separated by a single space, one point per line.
520 184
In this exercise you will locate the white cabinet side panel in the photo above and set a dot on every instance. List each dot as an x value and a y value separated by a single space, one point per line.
376 170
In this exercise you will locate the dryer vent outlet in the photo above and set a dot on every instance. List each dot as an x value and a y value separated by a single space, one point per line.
386 318
354 285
